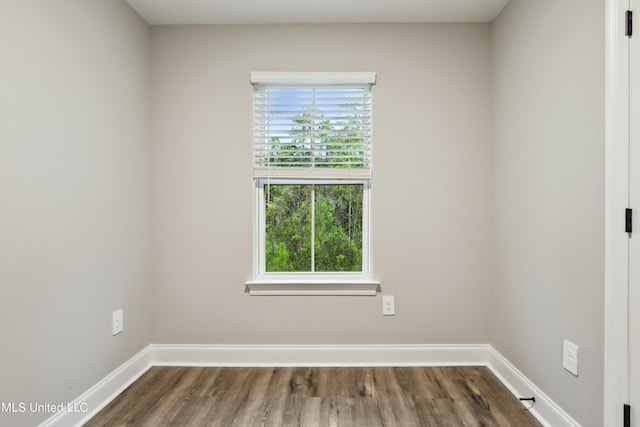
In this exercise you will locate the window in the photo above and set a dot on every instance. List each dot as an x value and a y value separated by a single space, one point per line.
312 174
312 227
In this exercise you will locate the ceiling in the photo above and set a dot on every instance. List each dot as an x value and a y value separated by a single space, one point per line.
167 12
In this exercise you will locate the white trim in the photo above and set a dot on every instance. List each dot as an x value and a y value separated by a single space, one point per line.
545 409
319 355
99 396
308 287
286 77
616 199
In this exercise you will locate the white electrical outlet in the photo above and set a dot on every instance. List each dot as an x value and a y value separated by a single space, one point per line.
570 357
117 322
388 305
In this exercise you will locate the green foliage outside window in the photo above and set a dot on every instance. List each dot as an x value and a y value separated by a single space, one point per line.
337 229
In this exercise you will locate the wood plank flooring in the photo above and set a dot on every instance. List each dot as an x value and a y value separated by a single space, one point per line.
350 397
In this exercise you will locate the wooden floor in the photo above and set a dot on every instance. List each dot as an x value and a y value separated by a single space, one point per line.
367 397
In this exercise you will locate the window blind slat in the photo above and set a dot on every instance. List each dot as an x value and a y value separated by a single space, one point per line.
310 130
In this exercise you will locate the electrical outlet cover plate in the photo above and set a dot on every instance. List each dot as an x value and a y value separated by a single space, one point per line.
388 305
570 357
117 322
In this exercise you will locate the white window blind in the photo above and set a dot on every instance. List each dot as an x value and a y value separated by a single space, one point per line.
321 128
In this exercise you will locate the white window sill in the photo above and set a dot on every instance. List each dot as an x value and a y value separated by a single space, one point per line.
312 287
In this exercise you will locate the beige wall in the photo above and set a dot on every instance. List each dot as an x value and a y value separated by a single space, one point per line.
548 168
74 196
431 190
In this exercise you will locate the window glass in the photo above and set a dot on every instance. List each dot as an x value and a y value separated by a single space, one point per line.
313 227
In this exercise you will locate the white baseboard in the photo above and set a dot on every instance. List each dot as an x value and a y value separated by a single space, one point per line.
96 398
319 355
545 409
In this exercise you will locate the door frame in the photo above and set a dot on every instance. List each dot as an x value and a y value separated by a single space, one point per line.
616 298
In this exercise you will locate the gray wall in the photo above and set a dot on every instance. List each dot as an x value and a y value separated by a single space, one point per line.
548 165
74 196
431 209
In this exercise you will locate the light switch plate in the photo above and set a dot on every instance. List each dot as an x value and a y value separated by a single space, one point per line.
570 357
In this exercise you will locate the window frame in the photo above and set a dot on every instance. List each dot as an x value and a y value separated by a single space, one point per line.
311 283
310 276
